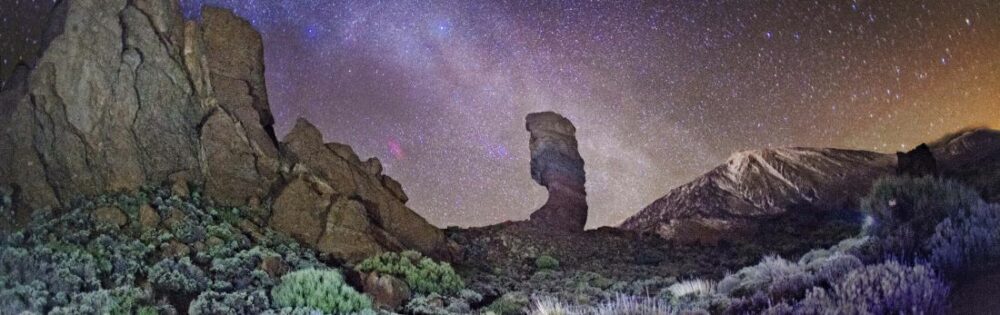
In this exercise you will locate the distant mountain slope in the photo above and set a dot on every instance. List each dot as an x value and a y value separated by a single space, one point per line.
765 182
974 157
758 184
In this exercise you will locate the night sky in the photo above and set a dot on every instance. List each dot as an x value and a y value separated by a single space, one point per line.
660 91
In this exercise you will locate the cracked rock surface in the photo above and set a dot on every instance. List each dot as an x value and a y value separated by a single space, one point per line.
127 93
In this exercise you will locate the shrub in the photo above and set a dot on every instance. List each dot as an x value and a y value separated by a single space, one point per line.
887 288
322 290
435 304
831 268
546 262
967 241
188 231
40 277
422 274
632 305
551 306
241 271
178 276
772 275
695 287
121 301
211 302
906 211
510 303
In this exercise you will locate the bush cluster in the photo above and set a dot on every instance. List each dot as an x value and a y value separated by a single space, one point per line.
321 290
423 275
436 304
906 211
621 304
967 241
195 261
923 229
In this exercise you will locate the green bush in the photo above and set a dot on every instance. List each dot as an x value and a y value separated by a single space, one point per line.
422 274
906 210
322 290
546 262
509 304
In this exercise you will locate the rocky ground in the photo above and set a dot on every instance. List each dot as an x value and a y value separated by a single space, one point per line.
596 265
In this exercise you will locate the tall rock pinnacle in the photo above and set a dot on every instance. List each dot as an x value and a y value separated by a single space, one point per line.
557 165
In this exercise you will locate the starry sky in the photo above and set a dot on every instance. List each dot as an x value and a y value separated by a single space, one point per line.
660 91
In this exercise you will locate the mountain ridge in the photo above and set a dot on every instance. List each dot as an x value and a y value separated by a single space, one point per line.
755 184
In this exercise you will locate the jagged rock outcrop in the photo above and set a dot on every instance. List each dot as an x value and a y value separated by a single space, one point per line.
557 165
127 93
918 162
340 205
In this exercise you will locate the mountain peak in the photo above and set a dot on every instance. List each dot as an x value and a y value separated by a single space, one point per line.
765 182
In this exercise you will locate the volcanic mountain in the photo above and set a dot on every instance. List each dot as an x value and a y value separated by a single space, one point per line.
760 184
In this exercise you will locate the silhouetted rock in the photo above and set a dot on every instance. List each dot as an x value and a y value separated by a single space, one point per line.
918 162
557 165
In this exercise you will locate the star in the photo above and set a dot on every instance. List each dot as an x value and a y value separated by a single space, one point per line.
660 92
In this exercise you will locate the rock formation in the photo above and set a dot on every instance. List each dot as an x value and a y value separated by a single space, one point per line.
126 93
340 205
918 162
557 165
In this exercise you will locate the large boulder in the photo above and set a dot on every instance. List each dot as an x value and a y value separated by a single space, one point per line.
557 165
387 292
126 93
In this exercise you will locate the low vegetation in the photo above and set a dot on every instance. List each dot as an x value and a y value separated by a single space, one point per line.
179 255
422 274
175 255
924 234
322 290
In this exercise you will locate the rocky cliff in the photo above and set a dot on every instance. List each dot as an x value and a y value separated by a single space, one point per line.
127 93
557 165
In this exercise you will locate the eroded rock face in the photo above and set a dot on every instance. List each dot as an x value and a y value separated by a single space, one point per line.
340 205
557 165
127 93
234 53
107 107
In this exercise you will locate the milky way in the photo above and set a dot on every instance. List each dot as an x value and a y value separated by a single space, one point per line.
660 92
